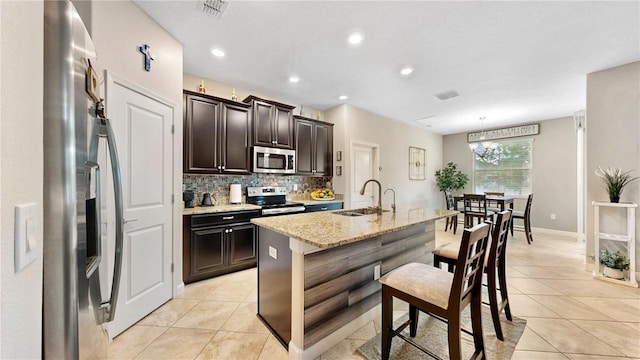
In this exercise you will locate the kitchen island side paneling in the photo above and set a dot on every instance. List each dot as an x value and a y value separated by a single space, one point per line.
310 296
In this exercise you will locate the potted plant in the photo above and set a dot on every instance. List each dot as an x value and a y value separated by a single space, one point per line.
450 178
615 180
614 264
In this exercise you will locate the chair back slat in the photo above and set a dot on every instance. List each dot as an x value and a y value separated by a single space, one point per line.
493 193
467 278
499 235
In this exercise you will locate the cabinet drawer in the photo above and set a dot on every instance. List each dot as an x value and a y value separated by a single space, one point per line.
323 207
223 218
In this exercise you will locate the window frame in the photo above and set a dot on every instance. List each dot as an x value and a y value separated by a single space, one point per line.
503 141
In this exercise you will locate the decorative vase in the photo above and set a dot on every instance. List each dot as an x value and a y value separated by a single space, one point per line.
614 199
613 273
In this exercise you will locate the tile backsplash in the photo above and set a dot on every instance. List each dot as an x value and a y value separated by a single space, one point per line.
218 185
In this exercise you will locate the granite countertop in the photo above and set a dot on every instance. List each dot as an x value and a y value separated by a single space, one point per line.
218 209
240 207
327 229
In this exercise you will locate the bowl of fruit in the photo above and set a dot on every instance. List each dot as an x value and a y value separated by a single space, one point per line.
323 195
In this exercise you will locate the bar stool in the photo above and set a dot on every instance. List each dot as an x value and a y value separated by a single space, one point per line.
440 294
494 267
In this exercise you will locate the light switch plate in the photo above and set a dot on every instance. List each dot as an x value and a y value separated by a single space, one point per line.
273 252
25 235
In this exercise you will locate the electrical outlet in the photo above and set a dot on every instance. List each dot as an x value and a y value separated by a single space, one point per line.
295 187
273 252
553 216
376 272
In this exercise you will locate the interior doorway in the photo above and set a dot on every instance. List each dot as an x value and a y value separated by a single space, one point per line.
364 166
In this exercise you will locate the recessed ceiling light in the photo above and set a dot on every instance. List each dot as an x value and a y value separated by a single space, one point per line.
294 79
406 71
355 39
343 97
217 52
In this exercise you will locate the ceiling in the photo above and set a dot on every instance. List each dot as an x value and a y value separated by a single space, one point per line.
511 62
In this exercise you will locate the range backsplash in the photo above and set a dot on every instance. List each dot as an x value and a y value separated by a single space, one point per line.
218 185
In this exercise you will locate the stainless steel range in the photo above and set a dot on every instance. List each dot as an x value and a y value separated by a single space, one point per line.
273 200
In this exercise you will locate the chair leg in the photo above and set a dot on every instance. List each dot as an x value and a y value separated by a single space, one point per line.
476 324
446 225
387 322
504 294
511 226
436 261
493 303
455 346
413 317
455 224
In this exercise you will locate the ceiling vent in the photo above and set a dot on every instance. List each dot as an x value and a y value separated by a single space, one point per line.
447 95
214 8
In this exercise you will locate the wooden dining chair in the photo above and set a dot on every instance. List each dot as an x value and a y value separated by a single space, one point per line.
526 217
439 293
475 207
493 205
451 221
494 267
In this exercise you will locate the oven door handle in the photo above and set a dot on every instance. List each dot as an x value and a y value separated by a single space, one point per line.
285 210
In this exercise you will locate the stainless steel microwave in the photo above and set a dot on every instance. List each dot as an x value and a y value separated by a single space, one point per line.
273 160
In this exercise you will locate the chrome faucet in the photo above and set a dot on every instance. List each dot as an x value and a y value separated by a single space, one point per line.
393 206
379 207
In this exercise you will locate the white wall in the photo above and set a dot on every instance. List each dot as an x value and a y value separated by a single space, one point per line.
394 138
21 171
118 29
191 82
613 130
553 176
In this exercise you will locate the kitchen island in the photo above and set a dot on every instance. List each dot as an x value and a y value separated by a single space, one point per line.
317 272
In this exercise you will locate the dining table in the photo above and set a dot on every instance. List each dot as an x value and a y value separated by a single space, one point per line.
502 201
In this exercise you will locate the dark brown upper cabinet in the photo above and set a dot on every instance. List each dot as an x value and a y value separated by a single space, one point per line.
314 147
272 123
217 135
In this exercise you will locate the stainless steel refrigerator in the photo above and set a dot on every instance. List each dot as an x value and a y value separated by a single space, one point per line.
75 304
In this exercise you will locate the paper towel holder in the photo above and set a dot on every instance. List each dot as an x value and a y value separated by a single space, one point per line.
235 194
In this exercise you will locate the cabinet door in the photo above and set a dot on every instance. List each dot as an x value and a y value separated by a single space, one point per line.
235 139
304 147
201 122
323 150
283 127
262 124
208 254
242 240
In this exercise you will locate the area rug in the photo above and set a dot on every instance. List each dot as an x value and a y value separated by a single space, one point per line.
432 334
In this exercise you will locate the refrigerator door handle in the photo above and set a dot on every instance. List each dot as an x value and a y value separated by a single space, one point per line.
93 209
119 209
102 129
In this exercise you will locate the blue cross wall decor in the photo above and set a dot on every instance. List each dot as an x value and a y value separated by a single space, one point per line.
146 51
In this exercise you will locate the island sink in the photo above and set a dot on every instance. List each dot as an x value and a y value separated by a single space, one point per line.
359 212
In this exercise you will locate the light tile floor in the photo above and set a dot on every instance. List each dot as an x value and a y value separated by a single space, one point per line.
569 315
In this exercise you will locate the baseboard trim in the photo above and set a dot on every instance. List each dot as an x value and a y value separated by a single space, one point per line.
555 232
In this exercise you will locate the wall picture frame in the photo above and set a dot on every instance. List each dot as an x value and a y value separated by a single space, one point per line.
417 163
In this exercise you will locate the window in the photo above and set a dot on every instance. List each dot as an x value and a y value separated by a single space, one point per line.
505 168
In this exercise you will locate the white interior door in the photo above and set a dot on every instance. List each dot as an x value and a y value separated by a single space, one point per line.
142 124
362 169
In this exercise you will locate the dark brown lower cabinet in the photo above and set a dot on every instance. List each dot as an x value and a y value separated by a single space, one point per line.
217 244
